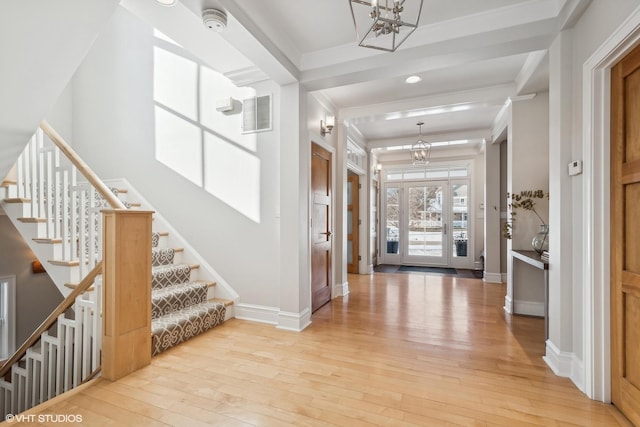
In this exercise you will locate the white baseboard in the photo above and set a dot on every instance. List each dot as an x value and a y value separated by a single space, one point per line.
340 290
477 265
273 316
577 374
565 364
504 277
492 277
294 321
507 304
257 313
529 308
370 268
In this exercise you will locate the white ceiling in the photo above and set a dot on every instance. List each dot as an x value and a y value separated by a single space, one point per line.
300 19
472 56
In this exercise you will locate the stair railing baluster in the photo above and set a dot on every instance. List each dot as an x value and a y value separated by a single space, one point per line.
33 180
96 342
55 198
48 194
72 213
82 227
19 177
40 182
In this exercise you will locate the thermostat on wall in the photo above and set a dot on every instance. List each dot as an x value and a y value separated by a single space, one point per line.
575 168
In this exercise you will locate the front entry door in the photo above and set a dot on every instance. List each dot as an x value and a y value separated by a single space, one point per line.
625 236
426 223
321 227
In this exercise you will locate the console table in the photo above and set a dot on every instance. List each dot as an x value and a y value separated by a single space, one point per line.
534 259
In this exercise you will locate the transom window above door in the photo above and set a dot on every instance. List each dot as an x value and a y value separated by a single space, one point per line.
412 174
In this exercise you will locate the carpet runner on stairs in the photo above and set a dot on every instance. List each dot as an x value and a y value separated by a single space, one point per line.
180 309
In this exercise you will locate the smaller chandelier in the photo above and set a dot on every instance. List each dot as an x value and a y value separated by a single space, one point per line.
421 150
386 24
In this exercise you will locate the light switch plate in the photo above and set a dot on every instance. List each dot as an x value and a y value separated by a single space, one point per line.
575 168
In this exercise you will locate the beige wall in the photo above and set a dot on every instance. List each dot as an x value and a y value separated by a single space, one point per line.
36 294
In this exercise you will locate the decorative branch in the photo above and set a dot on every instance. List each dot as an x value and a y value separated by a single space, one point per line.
524 200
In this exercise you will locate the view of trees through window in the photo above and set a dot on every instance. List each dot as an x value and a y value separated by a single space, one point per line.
426 211
425 220
460 223
393 220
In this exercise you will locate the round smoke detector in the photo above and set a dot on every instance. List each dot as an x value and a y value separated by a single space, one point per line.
215 19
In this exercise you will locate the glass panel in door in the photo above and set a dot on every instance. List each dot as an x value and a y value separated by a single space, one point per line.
426 224
392 220
460 211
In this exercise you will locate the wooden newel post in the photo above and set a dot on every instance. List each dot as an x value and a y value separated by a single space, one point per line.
126 258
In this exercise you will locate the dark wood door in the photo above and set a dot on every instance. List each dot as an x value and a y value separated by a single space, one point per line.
353 222
321 227
625 236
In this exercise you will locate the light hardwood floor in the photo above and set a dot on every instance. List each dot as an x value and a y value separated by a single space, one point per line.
400 350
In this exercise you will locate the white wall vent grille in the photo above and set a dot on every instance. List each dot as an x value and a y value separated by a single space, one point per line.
256 114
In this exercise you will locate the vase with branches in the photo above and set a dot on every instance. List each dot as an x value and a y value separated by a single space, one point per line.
526 200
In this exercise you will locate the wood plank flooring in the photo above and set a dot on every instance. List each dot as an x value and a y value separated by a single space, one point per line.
400 350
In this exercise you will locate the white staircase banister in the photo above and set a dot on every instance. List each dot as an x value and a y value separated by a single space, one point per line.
84 285
84 169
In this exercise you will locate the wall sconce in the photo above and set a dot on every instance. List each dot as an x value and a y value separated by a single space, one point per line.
327 127
37 267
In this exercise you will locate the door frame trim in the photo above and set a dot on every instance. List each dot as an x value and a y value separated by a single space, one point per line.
472 218
596 87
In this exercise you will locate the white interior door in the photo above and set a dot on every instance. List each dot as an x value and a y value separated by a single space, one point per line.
426 223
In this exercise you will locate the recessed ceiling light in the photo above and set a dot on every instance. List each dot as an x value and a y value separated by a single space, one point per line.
413 79
167 2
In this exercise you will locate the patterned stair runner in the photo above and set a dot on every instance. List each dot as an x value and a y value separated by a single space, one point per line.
180 307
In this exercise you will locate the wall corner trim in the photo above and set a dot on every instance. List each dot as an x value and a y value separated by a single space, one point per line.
341 289
508 304
565 364
274 316
294 321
